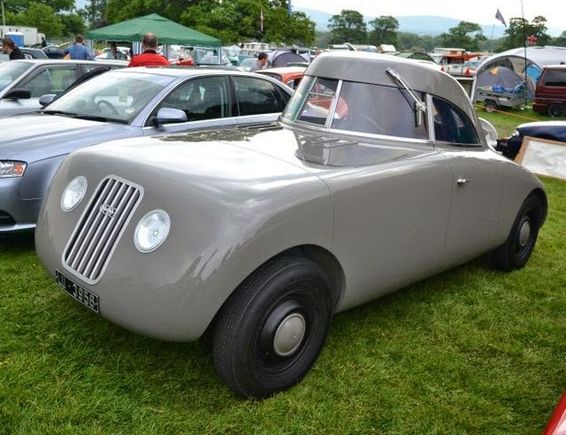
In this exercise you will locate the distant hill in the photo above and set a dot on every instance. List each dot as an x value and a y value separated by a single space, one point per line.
421 25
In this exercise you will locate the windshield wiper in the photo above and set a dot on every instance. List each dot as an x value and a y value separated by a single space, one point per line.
59 112
100 118
420 106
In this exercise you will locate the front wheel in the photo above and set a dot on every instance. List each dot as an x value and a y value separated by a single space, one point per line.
555 110
517 249
271 330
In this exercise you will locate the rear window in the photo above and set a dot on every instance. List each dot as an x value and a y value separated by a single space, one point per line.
555 78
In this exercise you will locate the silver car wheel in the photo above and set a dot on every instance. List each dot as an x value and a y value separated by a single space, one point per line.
289 335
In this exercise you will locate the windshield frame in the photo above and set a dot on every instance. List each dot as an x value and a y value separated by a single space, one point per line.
90 90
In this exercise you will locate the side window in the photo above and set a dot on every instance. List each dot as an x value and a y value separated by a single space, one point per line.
375 109
257 96
451 124
50 80
318 102
555 78
201 98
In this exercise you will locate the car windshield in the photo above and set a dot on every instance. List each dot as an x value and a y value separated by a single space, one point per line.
10 71
112 96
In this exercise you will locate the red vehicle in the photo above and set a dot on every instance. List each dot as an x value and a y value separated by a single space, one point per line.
550 93
557 423
290 75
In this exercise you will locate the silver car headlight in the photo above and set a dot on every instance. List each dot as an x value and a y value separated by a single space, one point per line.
9 168
152 230
74 193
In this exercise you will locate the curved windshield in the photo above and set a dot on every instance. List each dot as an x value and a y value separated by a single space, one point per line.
112 96
10 71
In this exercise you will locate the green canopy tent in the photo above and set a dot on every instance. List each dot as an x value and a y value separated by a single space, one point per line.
167 31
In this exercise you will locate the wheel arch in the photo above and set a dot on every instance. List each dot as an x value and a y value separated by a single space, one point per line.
541 195
323 257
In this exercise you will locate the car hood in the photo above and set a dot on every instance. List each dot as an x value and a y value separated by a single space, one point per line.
36 137
309 152
556 129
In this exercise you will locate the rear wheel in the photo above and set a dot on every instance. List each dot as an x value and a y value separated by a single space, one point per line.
555 110
271 330
490 106
517 249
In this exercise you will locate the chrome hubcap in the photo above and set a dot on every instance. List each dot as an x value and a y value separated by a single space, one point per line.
524 233
289 334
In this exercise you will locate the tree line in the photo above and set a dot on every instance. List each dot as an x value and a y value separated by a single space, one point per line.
350 26
235 21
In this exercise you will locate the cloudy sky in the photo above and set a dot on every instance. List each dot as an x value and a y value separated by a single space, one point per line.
478 11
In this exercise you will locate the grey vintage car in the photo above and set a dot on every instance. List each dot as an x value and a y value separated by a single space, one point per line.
377 176
118 104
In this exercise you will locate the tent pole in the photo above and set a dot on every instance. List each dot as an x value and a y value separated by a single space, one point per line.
525 50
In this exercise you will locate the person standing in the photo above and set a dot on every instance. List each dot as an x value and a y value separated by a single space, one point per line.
261 62
78 51
43 42
11 49
149 57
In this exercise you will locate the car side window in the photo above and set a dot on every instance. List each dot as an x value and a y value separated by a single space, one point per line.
257 96
451 124
555 78
319 101
50 80
201 98
382 110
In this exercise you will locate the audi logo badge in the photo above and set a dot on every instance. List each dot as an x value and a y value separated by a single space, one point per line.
107 210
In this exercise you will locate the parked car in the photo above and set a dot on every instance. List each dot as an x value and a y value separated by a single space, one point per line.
557 423
33 53
290 75
23 82
130 102
550 92
378 175
551 130
54 51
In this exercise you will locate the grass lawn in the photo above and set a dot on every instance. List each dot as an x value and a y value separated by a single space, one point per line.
468 351
506 120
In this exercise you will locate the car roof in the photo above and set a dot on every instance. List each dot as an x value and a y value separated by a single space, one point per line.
284 70
364 67
561 66
69 61
184 72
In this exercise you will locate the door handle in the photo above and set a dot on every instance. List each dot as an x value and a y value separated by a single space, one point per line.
462 181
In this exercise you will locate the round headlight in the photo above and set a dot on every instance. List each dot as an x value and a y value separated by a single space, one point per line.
152 230
73 193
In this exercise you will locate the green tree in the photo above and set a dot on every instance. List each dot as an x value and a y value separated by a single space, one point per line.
17 6
560 41
348 26
466 35
73 24
519 29
384 30
41 16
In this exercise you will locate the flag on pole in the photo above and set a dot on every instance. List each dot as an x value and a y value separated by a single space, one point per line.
499 17
261 20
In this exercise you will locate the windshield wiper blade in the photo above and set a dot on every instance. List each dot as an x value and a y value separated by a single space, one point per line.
420 105
59 112
100 118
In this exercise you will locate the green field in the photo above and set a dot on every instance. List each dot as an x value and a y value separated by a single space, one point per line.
468 351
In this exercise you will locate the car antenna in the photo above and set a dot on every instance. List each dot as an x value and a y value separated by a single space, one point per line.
420 106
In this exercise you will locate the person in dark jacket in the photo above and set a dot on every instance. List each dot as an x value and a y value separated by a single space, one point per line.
149 57
11 49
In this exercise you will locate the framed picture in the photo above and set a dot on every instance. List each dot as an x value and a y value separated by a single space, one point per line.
543 157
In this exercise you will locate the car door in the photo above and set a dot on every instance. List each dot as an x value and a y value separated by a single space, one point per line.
206 101
477 184
258 100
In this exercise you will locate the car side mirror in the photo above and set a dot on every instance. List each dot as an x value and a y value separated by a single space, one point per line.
18 94
46 99
168 115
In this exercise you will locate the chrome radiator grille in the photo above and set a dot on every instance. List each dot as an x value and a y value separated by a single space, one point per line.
100 227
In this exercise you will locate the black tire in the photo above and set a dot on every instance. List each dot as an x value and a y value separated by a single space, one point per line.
517 249
490 106
282 292
555 110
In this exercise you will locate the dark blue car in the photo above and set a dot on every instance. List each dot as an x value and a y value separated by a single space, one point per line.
551 130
